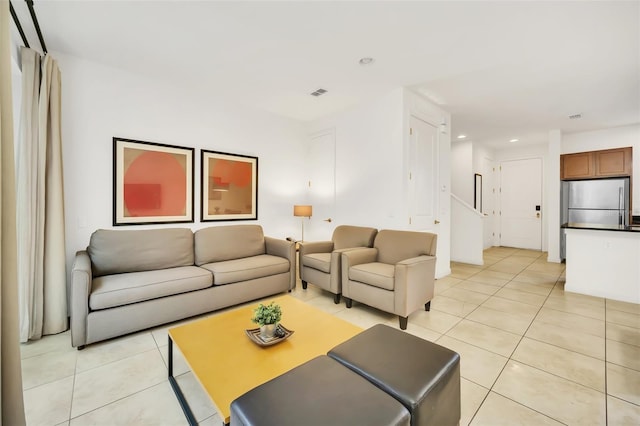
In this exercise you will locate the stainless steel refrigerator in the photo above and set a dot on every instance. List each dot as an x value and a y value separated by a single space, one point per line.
594 202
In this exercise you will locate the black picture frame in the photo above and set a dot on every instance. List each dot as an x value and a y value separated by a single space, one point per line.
152 183
229 186
477 192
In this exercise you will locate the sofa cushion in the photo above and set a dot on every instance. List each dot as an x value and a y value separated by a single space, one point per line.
376 274
219 243
121 289
248 268
319 261
115 252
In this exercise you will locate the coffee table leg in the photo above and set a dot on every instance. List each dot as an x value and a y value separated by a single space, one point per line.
176 389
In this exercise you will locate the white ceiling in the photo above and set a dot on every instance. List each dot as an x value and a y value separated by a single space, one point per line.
504 69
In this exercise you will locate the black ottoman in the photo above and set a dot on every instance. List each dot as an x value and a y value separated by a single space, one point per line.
423 376
318 392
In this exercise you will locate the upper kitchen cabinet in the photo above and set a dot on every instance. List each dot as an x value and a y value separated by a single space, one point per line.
577 166
594 164
613 162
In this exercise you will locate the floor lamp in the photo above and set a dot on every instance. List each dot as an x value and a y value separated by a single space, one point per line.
302 211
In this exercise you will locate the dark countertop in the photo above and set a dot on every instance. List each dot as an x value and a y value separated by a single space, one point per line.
596 227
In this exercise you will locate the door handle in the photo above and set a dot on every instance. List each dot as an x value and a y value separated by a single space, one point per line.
328 220
538 215
436 221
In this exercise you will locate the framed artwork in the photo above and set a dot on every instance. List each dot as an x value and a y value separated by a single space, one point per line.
477 192
152 183
229 185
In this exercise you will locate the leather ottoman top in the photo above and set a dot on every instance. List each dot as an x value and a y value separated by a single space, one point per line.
318 392
401 364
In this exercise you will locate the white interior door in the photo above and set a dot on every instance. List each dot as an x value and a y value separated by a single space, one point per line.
488 204
423 174
521 204
321 184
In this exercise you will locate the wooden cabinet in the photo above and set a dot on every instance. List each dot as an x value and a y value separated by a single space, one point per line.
613 162
576 166
595 164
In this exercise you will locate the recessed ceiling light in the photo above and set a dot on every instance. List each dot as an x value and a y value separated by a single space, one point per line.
366 61
513 140
462 136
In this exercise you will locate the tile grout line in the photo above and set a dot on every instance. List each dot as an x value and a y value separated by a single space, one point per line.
509 358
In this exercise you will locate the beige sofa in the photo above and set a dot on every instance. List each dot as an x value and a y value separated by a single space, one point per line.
132 280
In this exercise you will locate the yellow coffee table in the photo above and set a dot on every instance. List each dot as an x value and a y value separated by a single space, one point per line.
227 364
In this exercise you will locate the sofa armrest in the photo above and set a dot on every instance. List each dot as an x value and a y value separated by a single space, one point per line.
81 278
316 247
286 249
415 283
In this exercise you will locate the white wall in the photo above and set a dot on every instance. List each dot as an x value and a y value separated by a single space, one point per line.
462 170
371 165
99 103
467 234
368 165
617 137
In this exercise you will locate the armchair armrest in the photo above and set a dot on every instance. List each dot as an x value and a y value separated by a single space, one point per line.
415 282
286 249
358 256
316 247
81 279
354 257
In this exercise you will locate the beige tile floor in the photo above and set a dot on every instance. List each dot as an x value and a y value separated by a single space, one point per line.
531 354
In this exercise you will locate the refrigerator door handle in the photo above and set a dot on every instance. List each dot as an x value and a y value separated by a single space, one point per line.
620 205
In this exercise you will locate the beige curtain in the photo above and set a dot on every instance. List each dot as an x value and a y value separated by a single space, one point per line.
41 251
11 401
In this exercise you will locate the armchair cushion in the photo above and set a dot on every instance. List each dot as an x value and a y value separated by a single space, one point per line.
376 274
347 236
395 246
319 261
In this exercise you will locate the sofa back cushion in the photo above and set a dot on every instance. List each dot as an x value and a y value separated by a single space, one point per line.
394 246
347 236
115 252
219 243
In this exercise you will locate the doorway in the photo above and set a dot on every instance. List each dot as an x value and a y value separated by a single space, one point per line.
321 184
423 174
521 203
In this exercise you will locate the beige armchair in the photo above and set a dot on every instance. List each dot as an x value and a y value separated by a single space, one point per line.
320 260
396 275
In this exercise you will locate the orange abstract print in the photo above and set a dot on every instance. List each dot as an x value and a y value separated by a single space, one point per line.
230 187
155 183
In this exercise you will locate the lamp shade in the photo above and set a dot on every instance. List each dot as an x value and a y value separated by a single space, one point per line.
304 211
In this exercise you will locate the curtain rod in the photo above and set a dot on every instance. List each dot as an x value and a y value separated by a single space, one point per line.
34 18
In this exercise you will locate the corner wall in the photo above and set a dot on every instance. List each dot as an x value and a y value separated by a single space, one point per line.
371 166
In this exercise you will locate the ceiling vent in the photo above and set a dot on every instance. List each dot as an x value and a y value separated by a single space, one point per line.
319 92
575 116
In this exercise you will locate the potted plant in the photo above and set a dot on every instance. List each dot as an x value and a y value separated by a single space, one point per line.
267 317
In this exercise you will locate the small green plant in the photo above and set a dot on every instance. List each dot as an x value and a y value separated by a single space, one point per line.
267 314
